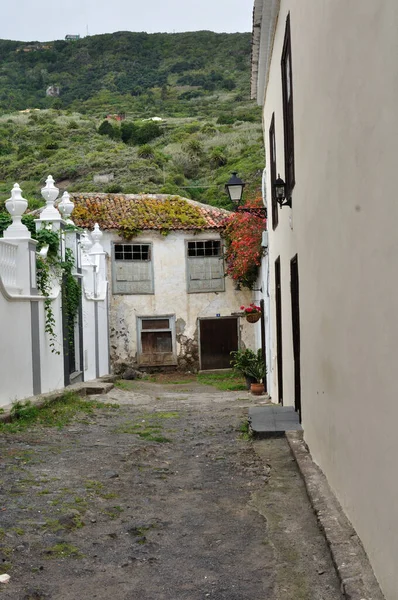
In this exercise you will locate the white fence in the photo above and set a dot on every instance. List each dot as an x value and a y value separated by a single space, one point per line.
8 263
29 364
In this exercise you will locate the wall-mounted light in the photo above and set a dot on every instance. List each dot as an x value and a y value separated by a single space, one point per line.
280 193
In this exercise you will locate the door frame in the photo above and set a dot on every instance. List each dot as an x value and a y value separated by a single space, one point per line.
215 319
295 301
278 318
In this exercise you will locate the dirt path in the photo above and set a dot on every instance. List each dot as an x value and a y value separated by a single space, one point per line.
158 499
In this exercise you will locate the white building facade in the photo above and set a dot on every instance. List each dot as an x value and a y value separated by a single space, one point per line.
327 74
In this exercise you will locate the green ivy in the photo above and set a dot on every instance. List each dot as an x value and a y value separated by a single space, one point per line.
63 271
71 291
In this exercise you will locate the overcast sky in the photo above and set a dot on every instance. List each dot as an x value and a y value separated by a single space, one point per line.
45 20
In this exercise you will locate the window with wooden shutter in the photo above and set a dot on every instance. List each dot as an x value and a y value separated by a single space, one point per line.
157 340
132 270
272 163
205 266
287 98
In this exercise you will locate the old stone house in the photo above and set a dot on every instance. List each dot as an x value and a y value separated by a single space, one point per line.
171 305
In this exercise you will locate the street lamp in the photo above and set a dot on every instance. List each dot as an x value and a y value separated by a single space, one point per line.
280 193
234 187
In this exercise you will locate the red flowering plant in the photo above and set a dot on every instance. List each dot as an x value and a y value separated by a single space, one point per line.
243 235
251 309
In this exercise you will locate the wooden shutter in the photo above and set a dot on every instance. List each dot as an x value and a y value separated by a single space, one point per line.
206 274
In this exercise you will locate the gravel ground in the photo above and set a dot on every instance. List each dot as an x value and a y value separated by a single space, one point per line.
158 499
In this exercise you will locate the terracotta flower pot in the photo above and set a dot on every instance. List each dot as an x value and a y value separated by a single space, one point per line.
257 389
253 317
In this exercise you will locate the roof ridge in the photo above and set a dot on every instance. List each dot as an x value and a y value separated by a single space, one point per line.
104 195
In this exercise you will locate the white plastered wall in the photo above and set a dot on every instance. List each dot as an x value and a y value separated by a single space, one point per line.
345 86
16 354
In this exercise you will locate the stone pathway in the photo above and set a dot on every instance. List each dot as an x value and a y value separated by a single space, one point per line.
159 499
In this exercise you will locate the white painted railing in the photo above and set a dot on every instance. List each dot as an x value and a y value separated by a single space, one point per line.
8 263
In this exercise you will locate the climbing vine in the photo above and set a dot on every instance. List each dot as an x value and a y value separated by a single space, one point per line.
243 235
49 268
71 291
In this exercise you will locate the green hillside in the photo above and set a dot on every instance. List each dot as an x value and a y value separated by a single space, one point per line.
197 83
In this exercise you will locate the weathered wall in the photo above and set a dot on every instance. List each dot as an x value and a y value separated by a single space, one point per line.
343 227
170 297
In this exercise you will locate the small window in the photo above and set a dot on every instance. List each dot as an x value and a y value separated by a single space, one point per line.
272 163
132 252
156 340
287 98
204 248
132 271
205 266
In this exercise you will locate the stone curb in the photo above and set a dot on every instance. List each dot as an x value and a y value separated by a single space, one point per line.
102 385
358 581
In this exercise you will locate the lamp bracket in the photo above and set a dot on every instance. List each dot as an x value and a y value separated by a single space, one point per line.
261 213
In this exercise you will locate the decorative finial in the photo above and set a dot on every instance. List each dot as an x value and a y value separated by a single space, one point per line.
96 235
66 208
50 194
16 206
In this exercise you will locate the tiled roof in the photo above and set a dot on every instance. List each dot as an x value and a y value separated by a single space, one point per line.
142 212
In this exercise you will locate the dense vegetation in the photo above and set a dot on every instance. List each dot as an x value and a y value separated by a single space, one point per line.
197 83
95 70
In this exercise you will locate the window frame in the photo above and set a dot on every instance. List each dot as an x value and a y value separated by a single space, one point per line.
215 257
287 102
272 162
171 329
115 261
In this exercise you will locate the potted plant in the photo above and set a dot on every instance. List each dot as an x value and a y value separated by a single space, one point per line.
252 312
258 370
241 359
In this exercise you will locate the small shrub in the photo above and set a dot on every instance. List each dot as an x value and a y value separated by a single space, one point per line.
146 151
114 188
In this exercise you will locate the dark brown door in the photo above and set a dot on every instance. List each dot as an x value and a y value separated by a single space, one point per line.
218 337
294 290
278 315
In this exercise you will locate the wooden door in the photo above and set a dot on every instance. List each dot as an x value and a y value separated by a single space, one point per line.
218 337
278 315
294 291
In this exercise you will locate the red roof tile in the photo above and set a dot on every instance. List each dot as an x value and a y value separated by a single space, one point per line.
142 212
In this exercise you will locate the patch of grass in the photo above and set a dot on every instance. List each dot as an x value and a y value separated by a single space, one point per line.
146 431
63 550
53 525
81 501
167 415
5 567
244 428
125 384
227 381
113 512
94 486
56 413
109 495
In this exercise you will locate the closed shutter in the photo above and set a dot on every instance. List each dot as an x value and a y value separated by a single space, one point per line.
133 277
206 274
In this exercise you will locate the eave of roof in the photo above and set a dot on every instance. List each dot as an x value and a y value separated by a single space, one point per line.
265 17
